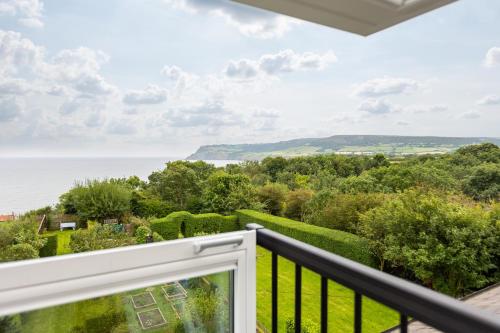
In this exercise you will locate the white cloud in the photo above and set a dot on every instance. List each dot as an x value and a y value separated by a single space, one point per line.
489 100
470 115
248 20
377 106
210 114
266 113
427 108
29 12
18 53
121 127
152 94
282 62
385 86
402 123
10 109
492 58
9 86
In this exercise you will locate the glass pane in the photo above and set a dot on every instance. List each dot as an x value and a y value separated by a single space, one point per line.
202 304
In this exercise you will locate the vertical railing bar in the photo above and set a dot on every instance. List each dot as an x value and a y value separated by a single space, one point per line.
357 313
298 298
274 294
324 304
403 323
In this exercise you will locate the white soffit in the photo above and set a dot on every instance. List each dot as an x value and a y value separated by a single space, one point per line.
363 17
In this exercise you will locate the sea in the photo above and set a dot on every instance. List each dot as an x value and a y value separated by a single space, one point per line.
31 183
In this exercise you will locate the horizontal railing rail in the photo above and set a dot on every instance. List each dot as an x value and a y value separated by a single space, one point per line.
410 300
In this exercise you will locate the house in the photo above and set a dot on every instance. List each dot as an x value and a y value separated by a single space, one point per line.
9 217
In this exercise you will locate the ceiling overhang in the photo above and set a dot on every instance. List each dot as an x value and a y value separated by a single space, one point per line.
363 17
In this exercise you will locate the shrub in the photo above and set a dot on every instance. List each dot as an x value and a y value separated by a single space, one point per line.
210 223
151 207
104 323
98 238
272 195
142 233
19 240
296 202
50 247
335 241
308 326
169 227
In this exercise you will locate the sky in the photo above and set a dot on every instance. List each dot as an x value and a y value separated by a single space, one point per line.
162 77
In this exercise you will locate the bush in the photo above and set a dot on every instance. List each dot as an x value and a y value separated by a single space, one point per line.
308 326
142 233
169 227
342 243
98 238
296 202
210 223
104 323
50 247
151 207
272 195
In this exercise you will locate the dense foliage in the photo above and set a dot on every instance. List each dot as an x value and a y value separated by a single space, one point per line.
19 240
433 219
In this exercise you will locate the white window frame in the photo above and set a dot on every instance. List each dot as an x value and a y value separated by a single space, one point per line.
34 284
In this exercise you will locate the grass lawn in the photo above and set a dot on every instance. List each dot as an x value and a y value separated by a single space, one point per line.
376 317
63 239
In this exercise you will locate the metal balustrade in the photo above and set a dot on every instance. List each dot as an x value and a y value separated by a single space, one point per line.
410 300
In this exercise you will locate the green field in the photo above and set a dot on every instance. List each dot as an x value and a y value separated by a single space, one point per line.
376 317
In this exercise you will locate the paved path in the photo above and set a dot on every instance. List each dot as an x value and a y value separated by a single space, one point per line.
488 299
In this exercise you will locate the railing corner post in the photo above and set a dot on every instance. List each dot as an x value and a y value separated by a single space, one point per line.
253 226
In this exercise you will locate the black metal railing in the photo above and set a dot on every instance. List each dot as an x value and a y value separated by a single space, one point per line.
410 300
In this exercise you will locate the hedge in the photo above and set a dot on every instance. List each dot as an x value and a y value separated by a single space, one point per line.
339 242
169 227
210 223
50 248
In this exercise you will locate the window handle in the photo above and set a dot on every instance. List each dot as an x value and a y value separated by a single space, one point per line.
203 245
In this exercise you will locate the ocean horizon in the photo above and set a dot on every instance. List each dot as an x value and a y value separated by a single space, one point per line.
28 183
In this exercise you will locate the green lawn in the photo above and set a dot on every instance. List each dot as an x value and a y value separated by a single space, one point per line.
63 239
376 317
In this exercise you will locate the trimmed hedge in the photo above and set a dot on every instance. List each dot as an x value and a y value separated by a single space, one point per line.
50 248
210 223
339 242
168 227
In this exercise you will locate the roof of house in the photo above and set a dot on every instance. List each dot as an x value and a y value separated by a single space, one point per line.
5 218
363 17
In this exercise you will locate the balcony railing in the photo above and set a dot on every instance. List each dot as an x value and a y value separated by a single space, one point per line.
410 300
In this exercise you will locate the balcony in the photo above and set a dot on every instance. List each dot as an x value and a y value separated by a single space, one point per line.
143 281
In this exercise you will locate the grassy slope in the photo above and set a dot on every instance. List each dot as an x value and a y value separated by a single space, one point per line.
376 317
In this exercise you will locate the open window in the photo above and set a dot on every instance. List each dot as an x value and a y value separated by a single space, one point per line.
204 284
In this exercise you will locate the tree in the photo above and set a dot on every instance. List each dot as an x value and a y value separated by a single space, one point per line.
97 200
19 240
272 196
274 165
484 182
226 193
296 202
445 245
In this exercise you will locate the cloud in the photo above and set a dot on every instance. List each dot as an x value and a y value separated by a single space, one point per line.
489 100
249 21
10 86
29 12
121 127
210 114
18 53
282 62
10 109
152 94
385 86
402 123
470 115
427 108
266 113
492 58
377 106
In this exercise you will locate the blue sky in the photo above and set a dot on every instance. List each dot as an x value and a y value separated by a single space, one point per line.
161 77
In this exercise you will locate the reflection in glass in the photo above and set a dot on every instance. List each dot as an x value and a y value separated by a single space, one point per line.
201 304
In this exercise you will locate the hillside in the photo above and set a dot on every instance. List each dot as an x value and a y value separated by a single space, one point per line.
341 144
